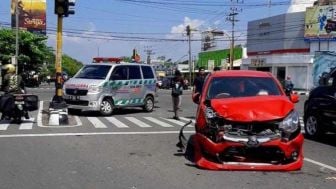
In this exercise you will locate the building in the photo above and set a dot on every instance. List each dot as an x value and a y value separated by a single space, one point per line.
279 44
219 58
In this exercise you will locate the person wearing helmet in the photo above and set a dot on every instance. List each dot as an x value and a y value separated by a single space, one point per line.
12 84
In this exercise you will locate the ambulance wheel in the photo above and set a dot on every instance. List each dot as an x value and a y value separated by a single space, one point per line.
149 104
106 107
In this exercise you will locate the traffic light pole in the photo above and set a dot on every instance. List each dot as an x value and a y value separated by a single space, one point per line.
58 63
58 108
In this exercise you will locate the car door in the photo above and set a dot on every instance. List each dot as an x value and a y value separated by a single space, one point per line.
136 85
328 106
149 81
120 85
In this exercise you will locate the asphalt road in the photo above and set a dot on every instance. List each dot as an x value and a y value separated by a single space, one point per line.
139 155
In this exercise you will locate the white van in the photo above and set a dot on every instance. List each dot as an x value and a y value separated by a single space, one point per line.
106 86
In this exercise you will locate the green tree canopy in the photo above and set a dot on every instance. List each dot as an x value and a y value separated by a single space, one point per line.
33 51
34 54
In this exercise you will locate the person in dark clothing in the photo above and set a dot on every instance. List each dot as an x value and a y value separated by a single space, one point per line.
216 68
177 90
12 84
199 80
288 85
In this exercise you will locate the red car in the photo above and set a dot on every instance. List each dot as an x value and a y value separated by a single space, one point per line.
245 121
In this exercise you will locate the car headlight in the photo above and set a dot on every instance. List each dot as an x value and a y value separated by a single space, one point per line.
291 123
95 89
210 113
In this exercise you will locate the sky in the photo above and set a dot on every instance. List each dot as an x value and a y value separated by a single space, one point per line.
112 28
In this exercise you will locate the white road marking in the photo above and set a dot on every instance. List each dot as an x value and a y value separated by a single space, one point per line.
320 164
180 123
116 122
158 122
93 134
97 123
138 122
186 119
27 124
4 124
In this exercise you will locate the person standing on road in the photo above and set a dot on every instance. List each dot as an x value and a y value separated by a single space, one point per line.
177 90
199 80
288 85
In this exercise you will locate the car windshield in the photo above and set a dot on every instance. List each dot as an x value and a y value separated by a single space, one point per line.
227 87
94 72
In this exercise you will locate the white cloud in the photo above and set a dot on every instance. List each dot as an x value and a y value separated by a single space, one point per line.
177 31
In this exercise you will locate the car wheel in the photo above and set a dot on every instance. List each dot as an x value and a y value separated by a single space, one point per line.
149 104
106 107
312 127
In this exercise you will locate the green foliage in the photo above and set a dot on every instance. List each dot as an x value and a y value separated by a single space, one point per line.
127 59
34 54
70 65
33 51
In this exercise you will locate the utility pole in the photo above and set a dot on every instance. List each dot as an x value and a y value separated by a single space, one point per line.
234 10
188 29
16 36
149 52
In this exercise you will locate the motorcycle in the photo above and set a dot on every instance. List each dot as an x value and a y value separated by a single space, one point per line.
16 106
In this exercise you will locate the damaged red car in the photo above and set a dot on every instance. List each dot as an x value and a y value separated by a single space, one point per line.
245 121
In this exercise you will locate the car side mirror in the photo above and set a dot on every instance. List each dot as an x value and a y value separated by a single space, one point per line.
196 97
294 98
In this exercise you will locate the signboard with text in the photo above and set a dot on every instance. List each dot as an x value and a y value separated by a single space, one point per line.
32 15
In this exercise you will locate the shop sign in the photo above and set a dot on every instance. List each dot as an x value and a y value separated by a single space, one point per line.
258 62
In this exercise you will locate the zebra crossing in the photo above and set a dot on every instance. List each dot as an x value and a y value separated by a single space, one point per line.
127 122
26 124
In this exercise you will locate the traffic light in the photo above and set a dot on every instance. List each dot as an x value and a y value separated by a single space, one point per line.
64 7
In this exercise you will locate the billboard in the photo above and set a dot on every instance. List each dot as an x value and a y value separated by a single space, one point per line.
32 15
320 23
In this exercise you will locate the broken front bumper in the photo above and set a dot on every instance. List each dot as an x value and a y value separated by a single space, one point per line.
269 155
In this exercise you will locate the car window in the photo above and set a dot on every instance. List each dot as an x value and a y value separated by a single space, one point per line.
134 72
94 72
147 72
120 73
225 87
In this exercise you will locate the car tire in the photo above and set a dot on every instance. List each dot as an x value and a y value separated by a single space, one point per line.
148 104
189 153
106 107
312 126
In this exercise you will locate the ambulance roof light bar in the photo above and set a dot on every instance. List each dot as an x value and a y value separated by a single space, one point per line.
106 60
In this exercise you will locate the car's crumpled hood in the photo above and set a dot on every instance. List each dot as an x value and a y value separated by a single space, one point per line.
249 109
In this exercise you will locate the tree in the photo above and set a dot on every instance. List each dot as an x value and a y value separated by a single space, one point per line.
33 51
70 65
34 54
